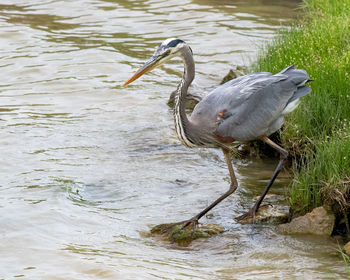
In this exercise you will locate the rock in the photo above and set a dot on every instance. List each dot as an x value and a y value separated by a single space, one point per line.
267 214
346 248
173 232
191 100
271 197
317 222
233 74
242 68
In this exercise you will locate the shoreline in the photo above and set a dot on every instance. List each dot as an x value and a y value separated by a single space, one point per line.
317 134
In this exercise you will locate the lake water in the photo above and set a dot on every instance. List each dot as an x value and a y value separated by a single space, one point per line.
87 166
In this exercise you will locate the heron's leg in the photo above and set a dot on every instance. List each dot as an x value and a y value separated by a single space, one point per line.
233 187
283 157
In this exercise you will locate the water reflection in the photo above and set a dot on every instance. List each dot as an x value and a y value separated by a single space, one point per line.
86 167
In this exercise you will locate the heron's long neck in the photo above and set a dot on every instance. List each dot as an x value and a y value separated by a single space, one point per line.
182 124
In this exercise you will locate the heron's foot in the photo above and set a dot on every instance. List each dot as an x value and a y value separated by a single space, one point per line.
190 224
183 233
193 222
180 226
250 214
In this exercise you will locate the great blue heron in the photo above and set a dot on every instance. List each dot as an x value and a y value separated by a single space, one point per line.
244 109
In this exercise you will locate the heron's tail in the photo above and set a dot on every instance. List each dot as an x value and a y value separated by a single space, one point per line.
299 77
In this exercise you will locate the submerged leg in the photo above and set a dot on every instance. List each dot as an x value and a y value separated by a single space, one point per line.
283 157
233 186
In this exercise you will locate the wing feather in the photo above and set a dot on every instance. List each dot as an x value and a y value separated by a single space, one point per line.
253 104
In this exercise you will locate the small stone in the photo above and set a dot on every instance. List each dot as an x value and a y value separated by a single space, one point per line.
346 248
233 74
242 68
270 197
209 215
318 222
183 237
191 100
267 214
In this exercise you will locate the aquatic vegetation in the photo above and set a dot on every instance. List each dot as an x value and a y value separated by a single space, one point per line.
184 236
346 260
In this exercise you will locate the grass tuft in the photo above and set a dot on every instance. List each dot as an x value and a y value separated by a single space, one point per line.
346 260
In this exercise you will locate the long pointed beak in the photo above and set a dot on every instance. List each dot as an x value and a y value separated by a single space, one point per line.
149 65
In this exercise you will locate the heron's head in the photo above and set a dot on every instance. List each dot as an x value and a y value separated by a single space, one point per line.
166 50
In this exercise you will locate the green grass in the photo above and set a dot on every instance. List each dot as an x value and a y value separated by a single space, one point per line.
346 260
317 134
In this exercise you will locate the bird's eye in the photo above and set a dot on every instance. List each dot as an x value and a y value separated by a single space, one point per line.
166 53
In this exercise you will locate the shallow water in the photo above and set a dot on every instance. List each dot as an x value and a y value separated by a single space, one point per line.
88 166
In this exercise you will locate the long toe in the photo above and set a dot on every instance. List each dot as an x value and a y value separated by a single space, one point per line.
191 222
242 217
249 215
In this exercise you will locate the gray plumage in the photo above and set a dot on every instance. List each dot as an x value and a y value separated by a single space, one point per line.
254 104
247 108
